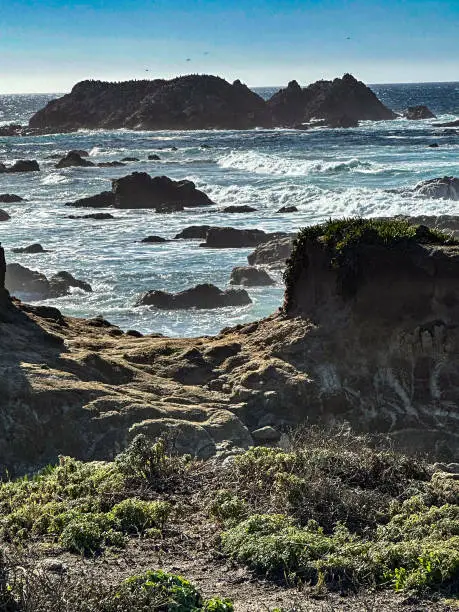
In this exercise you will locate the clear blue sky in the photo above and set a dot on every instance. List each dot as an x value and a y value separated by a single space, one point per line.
48 45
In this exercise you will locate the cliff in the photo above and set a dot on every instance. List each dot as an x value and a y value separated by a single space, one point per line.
368 335
206 102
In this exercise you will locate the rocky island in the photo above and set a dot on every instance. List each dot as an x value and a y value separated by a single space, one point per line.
197 102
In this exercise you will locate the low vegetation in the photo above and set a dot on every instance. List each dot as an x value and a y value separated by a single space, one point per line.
334 511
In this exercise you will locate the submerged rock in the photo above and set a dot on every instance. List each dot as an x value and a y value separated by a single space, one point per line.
110 164
130 159
249 276
73 158
446 188
448 124
202 296
24 165
95 216
154 239
4 216
153 157
288 209
239 209
10 198
32 248
415 113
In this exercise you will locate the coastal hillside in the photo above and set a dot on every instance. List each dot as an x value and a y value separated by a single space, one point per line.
195 102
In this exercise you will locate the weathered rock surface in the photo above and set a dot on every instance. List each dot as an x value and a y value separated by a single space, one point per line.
275 252
288 209
140 190
10 198
341 103
202 296
231 238
22 281
415 113
446 188
32 249
249 276
187 102
73 158
154 239
4 216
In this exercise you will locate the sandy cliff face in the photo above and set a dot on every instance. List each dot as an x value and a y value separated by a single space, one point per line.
377 347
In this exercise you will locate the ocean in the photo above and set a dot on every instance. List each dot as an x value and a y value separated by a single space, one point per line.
325 173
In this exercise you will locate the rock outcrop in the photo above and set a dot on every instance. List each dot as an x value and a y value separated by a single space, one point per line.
415 113
274 252
22 165
446 188
188 102
4 216
249 276
340 103
202 296
205 102
239 209
31 249
447 124
140 190
24 282
193 232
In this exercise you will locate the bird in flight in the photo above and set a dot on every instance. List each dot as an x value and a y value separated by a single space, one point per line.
188 59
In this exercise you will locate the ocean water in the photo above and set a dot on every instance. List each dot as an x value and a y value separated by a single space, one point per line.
325 173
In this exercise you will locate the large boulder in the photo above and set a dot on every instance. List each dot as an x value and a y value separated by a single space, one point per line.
202 297
61 283
140 190
32 249
187 102
4 216
249 276
275 252
239 209
341 103
231 238
73 158
446 188
415 113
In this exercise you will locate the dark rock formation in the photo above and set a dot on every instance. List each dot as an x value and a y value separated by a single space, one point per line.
80 152
288 209
154 157
4 216
13 129
192 232
130 159
202 297
446 188
239 209
22 281
188 102
154 239
31 249
140 190
95 216
434 145
415 113
341 103
275 252
231 238
24 165
73 158
10 198
249 276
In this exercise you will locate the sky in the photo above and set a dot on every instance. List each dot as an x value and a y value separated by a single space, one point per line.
49 45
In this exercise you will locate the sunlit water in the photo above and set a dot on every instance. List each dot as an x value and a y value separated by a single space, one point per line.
325 173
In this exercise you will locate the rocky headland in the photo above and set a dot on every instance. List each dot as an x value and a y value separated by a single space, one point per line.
203 102
367 335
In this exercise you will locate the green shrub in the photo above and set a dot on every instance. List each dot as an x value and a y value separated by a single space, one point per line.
135 515
82 536
218 605
227 507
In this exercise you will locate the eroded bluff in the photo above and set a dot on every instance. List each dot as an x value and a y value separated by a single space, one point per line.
374 344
